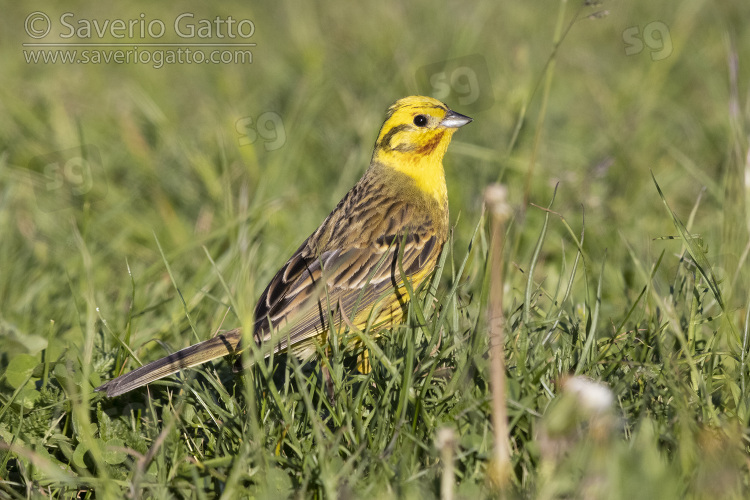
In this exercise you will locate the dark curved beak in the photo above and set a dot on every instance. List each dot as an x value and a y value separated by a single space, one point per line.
455 120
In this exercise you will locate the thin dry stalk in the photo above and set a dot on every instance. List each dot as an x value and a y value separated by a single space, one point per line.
495 197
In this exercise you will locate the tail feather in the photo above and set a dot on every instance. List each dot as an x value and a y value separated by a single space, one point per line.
221 345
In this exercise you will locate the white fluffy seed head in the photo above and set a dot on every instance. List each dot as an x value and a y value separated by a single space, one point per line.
593 396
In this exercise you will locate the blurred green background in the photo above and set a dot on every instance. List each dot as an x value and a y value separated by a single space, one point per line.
247 159
648 87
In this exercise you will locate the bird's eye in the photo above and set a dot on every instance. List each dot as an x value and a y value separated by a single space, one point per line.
420 120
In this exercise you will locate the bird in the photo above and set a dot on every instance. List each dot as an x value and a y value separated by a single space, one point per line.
389 228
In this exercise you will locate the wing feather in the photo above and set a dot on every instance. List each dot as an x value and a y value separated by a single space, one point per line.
354 279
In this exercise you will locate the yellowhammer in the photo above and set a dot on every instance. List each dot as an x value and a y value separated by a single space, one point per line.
391 226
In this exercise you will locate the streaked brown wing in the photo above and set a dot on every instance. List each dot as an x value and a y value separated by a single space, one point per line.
354 279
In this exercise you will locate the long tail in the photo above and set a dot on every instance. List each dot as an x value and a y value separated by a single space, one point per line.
221 345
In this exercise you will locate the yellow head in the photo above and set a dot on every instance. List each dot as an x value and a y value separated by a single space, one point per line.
414 138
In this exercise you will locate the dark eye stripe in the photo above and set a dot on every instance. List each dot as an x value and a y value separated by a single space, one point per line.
385 142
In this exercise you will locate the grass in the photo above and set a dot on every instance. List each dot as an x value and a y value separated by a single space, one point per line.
627 266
